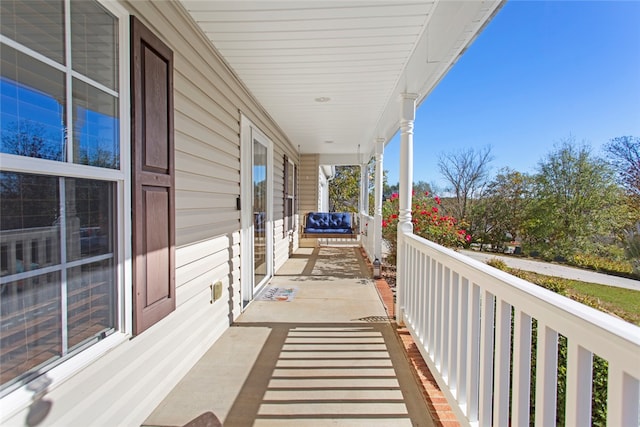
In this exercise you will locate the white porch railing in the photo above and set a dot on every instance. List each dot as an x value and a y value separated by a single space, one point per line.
366 234
474 326
24 249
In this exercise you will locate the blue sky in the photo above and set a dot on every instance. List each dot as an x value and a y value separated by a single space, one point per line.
541 71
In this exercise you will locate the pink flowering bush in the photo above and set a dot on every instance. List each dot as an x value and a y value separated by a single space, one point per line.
429 221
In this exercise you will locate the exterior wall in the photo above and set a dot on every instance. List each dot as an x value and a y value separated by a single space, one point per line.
284 245
309 194
123 385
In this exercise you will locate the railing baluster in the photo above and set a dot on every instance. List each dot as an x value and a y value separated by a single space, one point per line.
463 348
502 364
446 324
521 368
487 325
453 332
421 307
433 339
579 385
439 317
12 256
473 362
408 288
623 398
546 376
425 301
417 286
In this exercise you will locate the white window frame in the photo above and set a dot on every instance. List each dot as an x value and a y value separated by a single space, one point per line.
291 195
19 397
249 132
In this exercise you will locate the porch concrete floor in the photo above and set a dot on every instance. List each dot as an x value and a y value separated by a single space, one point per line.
329 357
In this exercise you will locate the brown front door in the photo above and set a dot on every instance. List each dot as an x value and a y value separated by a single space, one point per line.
153 220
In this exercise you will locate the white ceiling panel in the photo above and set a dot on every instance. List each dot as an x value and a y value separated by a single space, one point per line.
360 55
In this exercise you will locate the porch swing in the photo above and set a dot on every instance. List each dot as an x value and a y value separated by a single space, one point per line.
341 225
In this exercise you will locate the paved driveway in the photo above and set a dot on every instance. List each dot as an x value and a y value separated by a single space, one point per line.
557 270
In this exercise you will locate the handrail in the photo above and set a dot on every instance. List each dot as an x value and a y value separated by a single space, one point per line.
463 316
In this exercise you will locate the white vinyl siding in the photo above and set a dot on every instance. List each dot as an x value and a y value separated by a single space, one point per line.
308 186
124 385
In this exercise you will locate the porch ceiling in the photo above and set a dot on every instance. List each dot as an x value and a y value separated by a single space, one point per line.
334 70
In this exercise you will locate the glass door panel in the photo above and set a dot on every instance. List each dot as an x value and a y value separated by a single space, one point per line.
259 212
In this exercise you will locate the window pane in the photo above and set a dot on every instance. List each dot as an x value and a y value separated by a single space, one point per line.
30 324
32 110
96 127
29 224
90 301
31 219
94 42
259 211
90 218
37 24
291 177
30 333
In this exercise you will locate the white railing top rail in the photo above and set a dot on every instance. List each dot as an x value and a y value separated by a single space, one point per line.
605 335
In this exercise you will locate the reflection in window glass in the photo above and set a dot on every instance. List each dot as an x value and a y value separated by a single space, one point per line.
259 211
32 110
89 206
34 327
90 301
28 202
30 303
30 323
94 42
37 24
58 235
95 122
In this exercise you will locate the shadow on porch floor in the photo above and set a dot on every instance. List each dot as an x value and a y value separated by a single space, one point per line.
329 357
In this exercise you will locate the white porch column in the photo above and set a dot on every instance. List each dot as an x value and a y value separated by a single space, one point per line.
377 221
405 226
364 189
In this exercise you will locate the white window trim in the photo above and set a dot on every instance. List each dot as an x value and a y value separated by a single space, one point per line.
21 397
247 133
291 194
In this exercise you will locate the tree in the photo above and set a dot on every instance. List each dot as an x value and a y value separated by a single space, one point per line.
36 194
344 189
388 190
30 139
500 213
575 201
625 160
422 187
624 154
466 171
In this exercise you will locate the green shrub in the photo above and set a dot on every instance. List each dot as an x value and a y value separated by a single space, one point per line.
428 220
497 263
555 284
599 263
632 250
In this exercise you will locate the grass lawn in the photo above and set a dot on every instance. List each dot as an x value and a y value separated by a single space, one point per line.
621 302
624 303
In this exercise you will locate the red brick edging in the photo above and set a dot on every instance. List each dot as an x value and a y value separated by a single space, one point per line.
438 406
